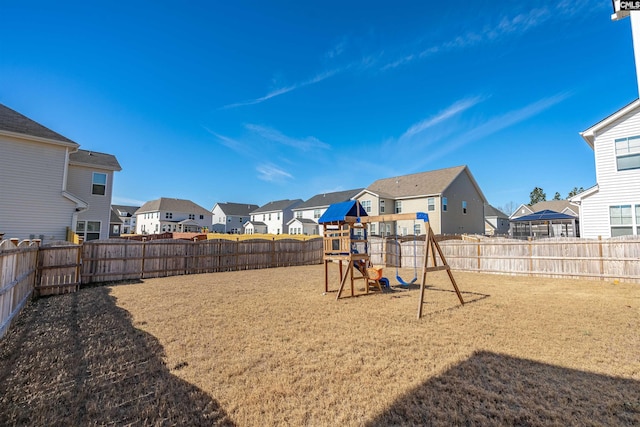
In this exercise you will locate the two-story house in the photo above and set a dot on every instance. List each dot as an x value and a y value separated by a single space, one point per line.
612 207
305 215
165 215
450 196
127 217
231 217
272 217
49 186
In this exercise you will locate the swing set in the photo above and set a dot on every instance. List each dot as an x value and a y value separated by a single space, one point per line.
345 240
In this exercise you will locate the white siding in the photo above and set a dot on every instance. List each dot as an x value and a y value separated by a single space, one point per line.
80 185
31 184
614 187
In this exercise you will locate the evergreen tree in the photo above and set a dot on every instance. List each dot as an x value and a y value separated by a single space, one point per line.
537 195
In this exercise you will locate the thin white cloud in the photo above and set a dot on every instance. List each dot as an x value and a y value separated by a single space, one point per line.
127 202
501 122
228 142
271 173
270 134
283 90
506 27
455 108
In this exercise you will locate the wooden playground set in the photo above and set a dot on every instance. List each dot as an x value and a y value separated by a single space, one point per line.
345 242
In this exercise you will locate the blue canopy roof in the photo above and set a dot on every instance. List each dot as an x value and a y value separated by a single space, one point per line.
545 215
338 211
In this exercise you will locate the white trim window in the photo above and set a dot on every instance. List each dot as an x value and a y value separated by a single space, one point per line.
317 213
381 206
99 184
464 207
621 220
628 153
444 204
366 205
398 206
89 230
431 204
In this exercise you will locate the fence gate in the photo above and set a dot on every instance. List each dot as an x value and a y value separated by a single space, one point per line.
58 269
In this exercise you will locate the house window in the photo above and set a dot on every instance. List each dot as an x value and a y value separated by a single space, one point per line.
628 153
416 229
116 229
192 216
89 230
99 184
278 215
269 217
464 207
366 205
444 204
168 215
299 214
621 220
398 206
381 206
372 228
201 216
316 214
431 204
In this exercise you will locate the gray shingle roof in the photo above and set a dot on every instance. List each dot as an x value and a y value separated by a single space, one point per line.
237 209
278 205
423 183
554 205
325 199
12 121
172 205
490 211
93 158
130 210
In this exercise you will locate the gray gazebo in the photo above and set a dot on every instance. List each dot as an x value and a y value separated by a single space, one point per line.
544 223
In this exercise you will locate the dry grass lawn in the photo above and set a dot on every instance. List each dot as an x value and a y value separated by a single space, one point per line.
266 347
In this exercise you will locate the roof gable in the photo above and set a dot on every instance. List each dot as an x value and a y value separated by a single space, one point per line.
326 199
590 134
423 183
278 205
176 205
236 209
94 159
14 122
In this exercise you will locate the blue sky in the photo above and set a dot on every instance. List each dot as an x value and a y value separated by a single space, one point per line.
255 101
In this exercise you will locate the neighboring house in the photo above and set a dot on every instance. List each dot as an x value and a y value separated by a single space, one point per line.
306 215
612 207
115 225
450 196
274 215
91 179
496 222
230 217
165 215
48 185
127 215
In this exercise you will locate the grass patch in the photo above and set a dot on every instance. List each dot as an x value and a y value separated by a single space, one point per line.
266 347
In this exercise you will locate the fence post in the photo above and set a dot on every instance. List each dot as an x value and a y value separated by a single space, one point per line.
530 257
479 256
601 258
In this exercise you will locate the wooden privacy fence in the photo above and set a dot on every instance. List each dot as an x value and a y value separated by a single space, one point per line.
610 259
17 276
117 259
563 257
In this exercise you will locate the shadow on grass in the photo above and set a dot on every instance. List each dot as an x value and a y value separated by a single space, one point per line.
77 359
495 389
